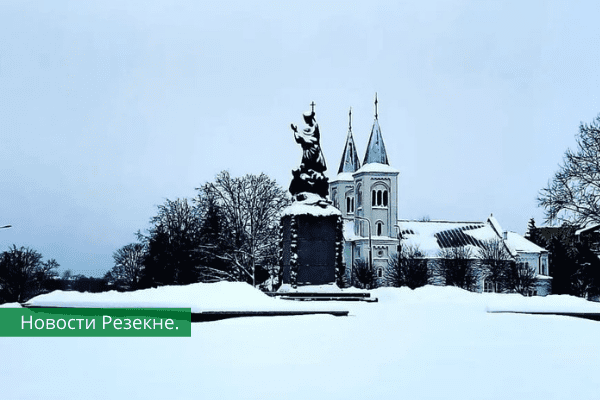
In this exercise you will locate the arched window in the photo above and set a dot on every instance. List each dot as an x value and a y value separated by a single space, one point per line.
379 272
347 204
379 196
359 197
379 228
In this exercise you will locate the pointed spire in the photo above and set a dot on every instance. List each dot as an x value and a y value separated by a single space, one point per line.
350 161
350 119
376 149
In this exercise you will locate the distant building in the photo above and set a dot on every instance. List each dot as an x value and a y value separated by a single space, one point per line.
367 196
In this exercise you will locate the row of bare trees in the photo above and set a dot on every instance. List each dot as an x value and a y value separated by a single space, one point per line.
455 266
229 231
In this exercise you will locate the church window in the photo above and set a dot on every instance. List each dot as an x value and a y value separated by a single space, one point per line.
379 228
379 198
379 272
359 197
488 287
544 266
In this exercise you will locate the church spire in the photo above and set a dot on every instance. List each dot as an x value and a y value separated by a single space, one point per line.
376 149
350 161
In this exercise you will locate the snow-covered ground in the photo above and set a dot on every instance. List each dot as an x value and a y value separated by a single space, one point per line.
430 343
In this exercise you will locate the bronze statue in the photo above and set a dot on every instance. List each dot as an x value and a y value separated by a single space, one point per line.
309 177
309 139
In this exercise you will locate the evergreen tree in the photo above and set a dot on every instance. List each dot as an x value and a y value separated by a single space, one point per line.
531 234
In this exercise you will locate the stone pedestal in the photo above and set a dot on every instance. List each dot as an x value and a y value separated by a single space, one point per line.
312 248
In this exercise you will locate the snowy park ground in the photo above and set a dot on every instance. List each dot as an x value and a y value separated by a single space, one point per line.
430 343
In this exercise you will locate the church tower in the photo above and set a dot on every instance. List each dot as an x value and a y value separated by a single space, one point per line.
341 188
376 185
367 196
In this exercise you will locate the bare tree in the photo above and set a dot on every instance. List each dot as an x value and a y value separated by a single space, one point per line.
129 264
251 207
363 276
494 259
407 268
23 274
573 194
455 267
521 278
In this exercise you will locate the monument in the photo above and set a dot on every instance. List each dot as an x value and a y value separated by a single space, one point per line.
312 238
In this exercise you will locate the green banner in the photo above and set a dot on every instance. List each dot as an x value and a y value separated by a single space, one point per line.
55 322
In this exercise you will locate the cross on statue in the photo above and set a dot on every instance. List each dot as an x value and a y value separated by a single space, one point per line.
312 107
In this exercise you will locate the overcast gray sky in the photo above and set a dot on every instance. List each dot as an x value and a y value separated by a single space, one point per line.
108 108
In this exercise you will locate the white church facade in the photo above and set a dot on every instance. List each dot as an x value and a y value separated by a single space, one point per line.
367 196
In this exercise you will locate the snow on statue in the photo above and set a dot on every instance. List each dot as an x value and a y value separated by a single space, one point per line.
309 177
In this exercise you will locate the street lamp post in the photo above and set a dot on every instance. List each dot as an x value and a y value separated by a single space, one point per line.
370 241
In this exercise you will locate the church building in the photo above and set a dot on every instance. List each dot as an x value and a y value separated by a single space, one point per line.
367 196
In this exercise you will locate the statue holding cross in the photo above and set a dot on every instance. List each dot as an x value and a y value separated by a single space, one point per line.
309 177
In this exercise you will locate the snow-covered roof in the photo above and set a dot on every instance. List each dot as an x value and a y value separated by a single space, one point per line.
433 236
519 244
587 227
494 223
376 167
343 176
